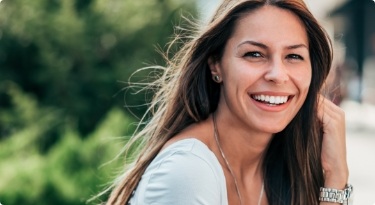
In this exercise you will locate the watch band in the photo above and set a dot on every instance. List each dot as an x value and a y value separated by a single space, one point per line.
336 195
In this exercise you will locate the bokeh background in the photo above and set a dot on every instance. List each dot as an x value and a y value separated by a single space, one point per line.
67 108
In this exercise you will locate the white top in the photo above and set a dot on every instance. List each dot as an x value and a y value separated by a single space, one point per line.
185 173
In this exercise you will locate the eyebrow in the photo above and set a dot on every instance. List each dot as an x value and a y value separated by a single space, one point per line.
261 45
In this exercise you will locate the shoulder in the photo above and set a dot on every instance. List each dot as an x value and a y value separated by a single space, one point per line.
189 158
186 172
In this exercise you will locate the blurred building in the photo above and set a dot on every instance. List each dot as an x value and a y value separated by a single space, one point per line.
354 27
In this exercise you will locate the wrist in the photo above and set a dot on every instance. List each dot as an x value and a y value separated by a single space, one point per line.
336 180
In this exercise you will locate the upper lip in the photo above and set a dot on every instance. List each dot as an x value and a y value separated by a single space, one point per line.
272 93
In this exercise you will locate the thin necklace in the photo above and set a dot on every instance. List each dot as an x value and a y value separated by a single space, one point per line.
216 135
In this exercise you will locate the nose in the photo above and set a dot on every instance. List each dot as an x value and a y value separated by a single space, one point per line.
277 72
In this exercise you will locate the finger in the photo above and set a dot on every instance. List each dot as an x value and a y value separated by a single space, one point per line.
326 107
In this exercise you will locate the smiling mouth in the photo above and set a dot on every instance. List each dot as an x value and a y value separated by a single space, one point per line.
271 100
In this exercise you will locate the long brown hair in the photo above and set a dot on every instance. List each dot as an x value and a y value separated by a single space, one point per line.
292 166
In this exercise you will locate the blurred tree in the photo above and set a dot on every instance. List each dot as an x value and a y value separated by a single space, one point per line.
74 170
60 67
70 54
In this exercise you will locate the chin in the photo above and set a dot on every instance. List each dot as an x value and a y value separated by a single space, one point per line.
273 129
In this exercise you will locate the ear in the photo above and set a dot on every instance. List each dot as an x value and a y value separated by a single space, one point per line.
214 65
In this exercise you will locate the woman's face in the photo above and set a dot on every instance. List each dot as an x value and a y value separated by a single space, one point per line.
265 70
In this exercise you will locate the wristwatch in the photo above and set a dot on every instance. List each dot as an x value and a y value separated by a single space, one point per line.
336 195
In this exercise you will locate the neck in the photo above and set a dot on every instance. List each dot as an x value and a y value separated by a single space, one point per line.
243 148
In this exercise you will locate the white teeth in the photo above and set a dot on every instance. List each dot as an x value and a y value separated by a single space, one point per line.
262 98
278 100
271 99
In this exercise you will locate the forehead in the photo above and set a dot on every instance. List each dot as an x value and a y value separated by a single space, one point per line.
271 24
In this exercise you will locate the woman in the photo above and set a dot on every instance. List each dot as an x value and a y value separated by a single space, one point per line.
239 119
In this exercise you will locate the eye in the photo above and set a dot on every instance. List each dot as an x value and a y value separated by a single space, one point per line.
253 54
294 57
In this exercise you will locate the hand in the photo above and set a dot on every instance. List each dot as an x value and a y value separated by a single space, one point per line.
334 144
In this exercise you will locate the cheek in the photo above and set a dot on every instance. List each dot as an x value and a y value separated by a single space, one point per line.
305 85
303 81
237 76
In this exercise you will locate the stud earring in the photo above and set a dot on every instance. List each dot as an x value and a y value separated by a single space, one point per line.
216 78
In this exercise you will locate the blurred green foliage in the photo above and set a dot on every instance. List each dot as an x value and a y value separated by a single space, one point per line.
70 172
61 100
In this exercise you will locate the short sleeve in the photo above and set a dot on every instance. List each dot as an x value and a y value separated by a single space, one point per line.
183 178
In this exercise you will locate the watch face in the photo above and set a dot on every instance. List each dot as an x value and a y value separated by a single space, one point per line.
349 193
